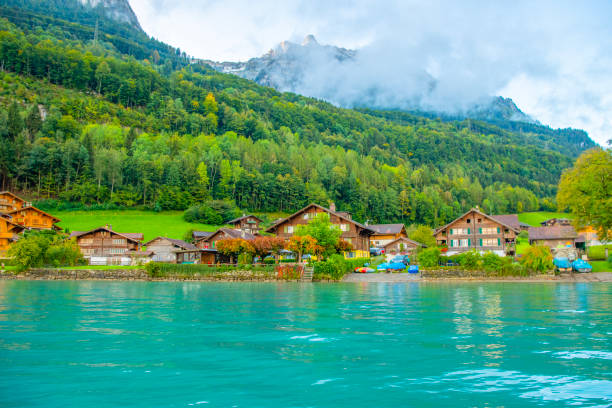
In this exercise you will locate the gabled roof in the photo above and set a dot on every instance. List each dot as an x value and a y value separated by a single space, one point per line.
138 236
8 221
237 220
127 236
516 229
177 242
383 229
327 210
233 233
14 196
35 209
197 235
555 232
404 239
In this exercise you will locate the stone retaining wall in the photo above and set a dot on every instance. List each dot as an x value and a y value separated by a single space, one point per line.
457 273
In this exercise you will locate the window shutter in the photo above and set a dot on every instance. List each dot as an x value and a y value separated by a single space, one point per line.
480 241
469 242
451 231
498 242
498 230
451 242
469 231
480 231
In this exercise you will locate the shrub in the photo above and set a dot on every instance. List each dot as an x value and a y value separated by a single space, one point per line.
470 259
537 259
44 248
429 257
335 267
245 258
493 262
155 269
202 214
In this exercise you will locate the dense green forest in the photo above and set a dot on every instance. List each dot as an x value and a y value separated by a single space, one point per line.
118 119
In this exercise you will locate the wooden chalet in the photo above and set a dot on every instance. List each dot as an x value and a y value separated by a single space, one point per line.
553 222
11 202
165 249
386 233
358 235
220 234
479 231
198 256
553 237
402 246
247 223
103 246
33 218
8 234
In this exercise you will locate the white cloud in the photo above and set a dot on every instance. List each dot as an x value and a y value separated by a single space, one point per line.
553 58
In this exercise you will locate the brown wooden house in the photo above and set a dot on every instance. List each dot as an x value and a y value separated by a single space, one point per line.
247 223
103 246
8 234
386 233
165 249
222 233
402 246
11 202
33 218
479 231
552 237
358 235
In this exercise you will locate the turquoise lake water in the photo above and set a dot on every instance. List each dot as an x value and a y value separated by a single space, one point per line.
166 344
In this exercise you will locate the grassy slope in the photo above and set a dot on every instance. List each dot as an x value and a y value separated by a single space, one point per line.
152 224
600 266
535 218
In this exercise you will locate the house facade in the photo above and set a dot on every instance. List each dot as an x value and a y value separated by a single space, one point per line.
358 235
8 234
479 231
165 249
386 233
247 223
103 246
554 236
11 202
402 246
33 218
210 242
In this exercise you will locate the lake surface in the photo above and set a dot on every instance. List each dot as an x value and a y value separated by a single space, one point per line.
166 344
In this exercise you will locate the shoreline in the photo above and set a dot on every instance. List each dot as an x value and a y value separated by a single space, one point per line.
141 275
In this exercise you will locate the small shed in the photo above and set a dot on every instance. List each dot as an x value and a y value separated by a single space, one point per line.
553 236
164 249
402 246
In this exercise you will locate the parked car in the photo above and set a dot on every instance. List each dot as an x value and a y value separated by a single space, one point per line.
562 264
376 251
391 266
401 258
413 269
581 266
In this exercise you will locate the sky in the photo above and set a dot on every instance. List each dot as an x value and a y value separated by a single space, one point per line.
553 58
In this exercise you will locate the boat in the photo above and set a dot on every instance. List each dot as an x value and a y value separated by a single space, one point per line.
581 266
562 264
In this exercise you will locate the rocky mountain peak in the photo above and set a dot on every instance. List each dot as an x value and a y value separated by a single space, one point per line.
117 10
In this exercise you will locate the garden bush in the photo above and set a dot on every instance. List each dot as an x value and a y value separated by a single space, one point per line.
538 259
429 257
336 266
44 248
157 270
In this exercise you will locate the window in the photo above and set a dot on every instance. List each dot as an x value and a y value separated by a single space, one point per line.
88 251
86 241
118 241
468 221
479 220
117 250
290 229
305 216
349 240
488 231
490 242
460 231
460 243
344 227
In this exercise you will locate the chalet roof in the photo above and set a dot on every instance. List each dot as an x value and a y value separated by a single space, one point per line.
237 220
510 219
14 196
177 242
404 239
381 229
35 209
184 251
563 221
128 235
233 233
555 232
477 211
201 234
327 210
8 220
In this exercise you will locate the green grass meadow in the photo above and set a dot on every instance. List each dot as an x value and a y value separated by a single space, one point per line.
152 224
535 218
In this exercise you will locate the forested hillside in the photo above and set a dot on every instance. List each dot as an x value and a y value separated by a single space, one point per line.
86 121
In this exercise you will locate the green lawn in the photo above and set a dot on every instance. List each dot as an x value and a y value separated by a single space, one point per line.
600 266
152 224
599 251
535 218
